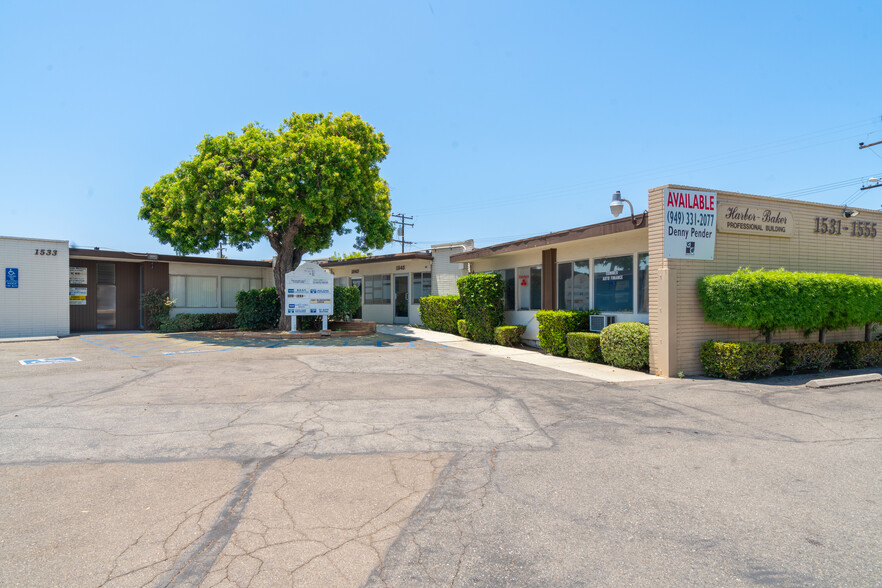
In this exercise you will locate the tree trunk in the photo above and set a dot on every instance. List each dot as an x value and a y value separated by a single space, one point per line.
868 332
822 335
287 260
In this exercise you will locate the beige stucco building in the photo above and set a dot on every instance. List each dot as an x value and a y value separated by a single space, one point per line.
621 267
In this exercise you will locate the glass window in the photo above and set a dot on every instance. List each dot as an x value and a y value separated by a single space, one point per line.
255 284
574 285
341 281
614 284
643 282
422 286
530 288
199 292
378 289
177 289
508 283
229 288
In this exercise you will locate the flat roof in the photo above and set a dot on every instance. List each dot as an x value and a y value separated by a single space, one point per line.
378 259
127 256
619 225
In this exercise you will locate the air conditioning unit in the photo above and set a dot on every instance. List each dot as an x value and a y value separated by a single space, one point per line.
599 321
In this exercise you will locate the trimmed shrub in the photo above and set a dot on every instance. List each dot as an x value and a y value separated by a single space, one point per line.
480 297
739 361
440 313
858 354
347 301
625 345
157 306
509 335
258 309
808 356
771 301
462 328
198 322
584 346
555 324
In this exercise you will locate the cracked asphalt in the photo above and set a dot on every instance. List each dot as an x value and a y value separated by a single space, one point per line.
416 464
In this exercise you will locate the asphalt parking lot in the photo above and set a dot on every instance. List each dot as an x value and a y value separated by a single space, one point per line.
193 461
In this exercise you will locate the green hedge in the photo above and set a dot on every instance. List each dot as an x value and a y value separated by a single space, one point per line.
771 301
440 313
626 345
584 346
858 354
740 361
480 297
798 357
509 335
347 301
462 328
157 306
258 309
198 322
555 324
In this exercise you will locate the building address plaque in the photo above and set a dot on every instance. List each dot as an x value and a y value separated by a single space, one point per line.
835 226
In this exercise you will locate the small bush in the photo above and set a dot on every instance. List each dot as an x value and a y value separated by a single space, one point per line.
555 324
480 297
157 306
258 309
347 301
462 328
740 361
808 356
440 313
858 354
198 322
626 345
509 335
584 346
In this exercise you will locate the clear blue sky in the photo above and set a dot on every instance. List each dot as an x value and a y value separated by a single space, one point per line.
505 119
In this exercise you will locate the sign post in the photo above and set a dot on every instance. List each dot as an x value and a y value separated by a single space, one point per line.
690 224
309 291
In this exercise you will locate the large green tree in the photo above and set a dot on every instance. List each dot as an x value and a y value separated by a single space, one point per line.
315 177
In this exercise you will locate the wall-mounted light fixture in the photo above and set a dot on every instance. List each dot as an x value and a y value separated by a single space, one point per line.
618 204
849 213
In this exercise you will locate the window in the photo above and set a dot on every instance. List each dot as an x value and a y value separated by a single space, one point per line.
508 283
614 284
341 281
194 291
422 286
378 289
232 286
530 288
643 282
573 285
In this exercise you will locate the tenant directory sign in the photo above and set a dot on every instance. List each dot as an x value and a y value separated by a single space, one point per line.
309 290
690 224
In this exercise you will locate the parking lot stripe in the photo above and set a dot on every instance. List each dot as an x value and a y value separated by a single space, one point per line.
107 347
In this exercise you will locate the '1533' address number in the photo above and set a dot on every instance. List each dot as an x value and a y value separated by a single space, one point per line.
45 251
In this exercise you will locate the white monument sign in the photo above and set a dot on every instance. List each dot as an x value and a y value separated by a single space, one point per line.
690 224
309 291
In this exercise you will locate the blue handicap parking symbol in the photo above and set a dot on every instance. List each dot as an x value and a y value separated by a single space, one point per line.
47 360
11 277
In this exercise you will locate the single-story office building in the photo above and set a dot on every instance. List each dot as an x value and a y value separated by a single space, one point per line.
392 285
645 268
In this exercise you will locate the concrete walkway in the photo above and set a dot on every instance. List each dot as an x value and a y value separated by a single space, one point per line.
538 357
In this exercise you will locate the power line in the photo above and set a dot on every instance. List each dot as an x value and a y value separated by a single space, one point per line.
401 224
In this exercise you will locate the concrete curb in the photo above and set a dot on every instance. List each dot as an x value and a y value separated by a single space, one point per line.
843 381
24 339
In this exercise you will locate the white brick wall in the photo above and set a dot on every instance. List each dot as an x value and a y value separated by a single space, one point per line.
40 304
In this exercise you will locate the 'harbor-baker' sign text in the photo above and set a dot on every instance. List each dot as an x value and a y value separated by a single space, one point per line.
755 221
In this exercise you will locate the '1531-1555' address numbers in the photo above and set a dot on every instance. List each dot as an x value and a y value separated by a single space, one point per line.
833 226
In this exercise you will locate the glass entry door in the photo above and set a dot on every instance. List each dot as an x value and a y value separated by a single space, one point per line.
400 314
357 283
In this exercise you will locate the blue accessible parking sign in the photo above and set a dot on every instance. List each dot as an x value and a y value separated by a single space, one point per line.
11 277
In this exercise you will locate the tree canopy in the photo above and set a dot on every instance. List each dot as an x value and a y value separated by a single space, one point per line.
298 187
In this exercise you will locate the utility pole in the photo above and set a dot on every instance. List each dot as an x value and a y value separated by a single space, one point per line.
401 224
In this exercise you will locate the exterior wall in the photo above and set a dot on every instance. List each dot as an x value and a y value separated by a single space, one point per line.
265 274
446 272
677 327
625 243
383 313
39 305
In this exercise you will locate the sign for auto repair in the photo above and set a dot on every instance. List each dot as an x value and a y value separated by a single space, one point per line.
309 290
690 224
